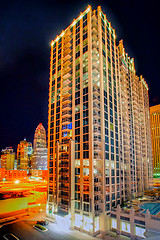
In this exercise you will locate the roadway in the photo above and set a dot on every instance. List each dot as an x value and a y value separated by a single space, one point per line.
24 231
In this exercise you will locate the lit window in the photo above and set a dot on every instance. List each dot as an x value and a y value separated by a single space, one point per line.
114 223
125 227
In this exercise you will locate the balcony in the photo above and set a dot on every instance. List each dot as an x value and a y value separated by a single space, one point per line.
95 45
97 148
94 17
96 114
66 106
96 106
96 139
64 165
96 99
98 192
66 88
96 130
96 89
66 69
66 75
66 100
66 57
97 184
94 51
65 121
66 113
96 79
95 64
95 30
95 122
95 22
64 197
66 38
66 44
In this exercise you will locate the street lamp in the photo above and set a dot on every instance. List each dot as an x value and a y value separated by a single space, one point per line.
16 181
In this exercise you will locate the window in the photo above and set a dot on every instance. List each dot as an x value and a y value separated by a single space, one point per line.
77 54
139 231
114 223
85 49
78 42
85 36
85 197
125 227
85 23
77 30
84 17
77 24
86 207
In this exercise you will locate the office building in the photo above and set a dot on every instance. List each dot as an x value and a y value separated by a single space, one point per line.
155 131
7 158
11 175
24 153
99 152
39 157
39 137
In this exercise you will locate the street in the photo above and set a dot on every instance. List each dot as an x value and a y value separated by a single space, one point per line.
22 227
24 231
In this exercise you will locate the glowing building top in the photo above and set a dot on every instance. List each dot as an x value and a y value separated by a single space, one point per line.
39 137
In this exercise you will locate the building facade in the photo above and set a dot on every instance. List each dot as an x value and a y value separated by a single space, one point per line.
134 224
135 131
11 175
99 152
39 157
39 137
24 153
155 131
7 158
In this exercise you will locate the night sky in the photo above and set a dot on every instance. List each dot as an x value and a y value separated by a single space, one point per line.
26 30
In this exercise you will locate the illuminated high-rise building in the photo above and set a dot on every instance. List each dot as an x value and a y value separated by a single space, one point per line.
155 131
99 143
24 152
39 137
135 131
39 157
7 158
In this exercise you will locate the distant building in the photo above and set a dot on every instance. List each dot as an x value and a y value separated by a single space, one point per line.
39 137
39 158
15 164
10 175
39 173
155 132
24 152
7 158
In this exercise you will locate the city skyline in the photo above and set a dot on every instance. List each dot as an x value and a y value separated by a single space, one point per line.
26 55
80 106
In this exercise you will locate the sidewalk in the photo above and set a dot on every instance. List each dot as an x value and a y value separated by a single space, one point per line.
112 236
81 235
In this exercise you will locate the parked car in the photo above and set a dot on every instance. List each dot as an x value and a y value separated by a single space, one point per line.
42 222
10 236
40 228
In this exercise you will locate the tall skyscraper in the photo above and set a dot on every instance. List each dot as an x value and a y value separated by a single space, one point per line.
155 131
24 152
99 143
39 157
39 137
135 131
7 158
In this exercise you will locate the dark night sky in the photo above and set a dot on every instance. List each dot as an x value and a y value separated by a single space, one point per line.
26 29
